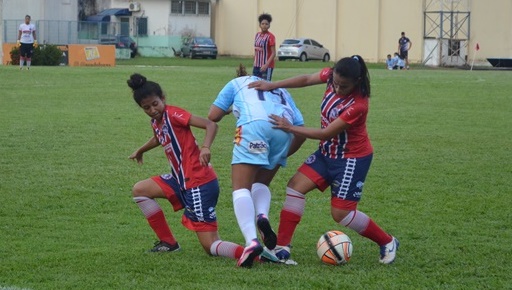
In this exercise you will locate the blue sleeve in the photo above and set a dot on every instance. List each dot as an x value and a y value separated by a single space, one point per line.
225 97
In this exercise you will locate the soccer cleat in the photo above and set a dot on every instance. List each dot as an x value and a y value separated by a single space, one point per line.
388 251
269 256
162 247
249 254
267 234
282 252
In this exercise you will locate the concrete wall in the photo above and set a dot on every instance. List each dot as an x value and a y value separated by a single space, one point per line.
40 10
370 28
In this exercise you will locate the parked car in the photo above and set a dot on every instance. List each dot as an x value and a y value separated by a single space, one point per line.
303 49
121 41
203 47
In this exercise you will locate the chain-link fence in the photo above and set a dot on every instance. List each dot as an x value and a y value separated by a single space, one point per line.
66 32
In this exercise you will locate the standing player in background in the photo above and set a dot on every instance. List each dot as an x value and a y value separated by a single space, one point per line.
192 183
264 49
26 42
404 45
258 153
343 158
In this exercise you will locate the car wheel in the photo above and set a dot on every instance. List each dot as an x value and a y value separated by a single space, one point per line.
214 57
303 57
326 58
281 58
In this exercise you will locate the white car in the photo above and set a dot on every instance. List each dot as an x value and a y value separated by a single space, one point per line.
303 49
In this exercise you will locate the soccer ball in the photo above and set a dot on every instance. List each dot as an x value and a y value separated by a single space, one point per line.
334 248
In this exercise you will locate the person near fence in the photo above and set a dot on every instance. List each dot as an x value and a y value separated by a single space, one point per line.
26 42
343 158
192 184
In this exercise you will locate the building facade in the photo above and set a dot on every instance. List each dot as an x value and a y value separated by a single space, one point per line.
371 28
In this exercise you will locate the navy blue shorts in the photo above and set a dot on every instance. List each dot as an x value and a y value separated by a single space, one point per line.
199 202
345 176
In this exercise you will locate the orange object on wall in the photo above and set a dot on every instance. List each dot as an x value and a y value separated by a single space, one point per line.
91 55
6 48
78 54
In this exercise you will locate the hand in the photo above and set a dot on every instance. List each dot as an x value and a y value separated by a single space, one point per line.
261 85
280 123
18 44
204 156
137 157
35 44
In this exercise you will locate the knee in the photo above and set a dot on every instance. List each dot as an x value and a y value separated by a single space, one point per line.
339 215
138 189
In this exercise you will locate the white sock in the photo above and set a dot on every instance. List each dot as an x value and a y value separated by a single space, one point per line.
295 201
356 220
245 215
224 249
261 197
147 205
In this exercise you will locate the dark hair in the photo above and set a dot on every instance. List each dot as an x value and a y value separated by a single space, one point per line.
27 16
265 16
354 68
241 71
142 88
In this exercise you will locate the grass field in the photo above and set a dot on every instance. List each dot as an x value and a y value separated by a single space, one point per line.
440 182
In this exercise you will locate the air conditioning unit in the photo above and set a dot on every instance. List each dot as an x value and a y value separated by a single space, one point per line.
134 6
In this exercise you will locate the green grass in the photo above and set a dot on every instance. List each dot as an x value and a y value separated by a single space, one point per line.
439 182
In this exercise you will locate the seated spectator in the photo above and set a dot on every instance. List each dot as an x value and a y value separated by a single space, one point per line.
390 62
400 62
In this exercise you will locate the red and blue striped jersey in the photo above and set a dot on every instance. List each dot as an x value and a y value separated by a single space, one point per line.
180 146
352 109
262 44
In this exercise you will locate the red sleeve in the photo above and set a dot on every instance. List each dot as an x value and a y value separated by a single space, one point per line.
178 115
272 40
325 74
352 114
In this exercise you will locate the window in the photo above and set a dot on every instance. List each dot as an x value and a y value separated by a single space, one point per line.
190 7
454 47
203 8
176 7
142 26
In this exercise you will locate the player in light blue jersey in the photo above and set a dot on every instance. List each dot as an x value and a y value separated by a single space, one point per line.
259 150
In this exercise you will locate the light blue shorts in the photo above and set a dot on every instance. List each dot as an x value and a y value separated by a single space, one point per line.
258 143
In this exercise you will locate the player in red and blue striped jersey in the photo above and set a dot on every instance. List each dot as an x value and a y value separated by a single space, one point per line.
343 158
264 49
192 184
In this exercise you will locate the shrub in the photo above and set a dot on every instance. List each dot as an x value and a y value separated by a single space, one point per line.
15 56
43 55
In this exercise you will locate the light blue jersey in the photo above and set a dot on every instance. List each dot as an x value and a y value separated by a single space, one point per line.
256 141
250 105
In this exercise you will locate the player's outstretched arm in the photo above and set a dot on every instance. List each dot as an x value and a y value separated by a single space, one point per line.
150 144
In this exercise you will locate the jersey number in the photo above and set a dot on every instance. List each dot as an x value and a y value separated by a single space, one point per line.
279 93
